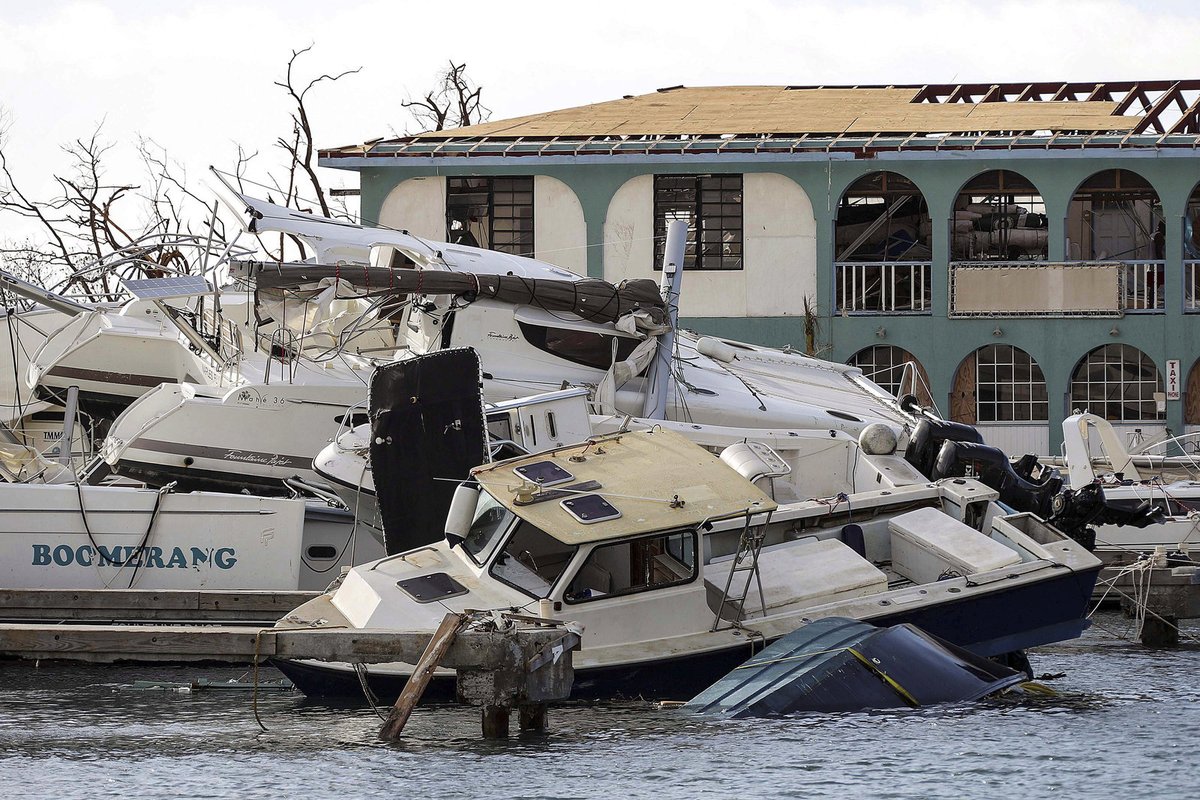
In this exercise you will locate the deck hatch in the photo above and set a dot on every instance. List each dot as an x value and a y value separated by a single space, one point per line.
430 588
544 473
591 508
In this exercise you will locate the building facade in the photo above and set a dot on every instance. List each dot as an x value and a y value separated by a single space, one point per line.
1009 253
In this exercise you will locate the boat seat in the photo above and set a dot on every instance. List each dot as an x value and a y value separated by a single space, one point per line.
805 572
928 545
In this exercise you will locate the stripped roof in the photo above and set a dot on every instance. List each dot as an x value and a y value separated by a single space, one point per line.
1166 111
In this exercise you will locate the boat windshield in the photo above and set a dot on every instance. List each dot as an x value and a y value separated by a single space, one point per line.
532 560
491 520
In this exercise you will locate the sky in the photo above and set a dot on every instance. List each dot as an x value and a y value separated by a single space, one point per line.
197 77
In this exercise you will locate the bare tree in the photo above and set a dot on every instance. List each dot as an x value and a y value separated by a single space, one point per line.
93 224
299 145
453 103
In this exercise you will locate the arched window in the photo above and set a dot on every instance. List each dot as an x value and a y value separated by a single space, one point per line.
1009 386
895 370
1117 382
999 215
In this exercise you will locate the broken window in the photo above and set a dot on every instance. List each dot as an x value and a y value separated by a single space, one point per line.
712 207
494 213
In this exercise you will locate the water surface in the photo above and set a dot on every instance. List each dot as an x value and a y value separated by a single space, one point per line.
1126 724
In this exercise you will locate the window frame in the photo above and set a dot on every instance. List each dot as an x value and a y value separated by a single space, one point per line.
1081 377
698 211
668 535
520 243
1004 392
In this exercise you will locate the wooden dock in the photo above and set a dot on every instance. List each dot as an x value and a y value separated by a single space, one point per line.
148 605
525 664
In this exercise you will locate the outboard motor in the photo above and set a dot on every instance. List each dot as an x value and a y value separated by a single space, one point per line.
1071 511
926 441
990 466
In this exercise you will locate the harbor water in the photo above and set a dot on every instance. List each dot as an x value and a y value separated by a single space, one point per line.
1125 723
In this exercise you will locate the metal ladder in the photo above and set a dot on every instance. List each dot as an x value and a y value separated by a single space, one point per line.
745 560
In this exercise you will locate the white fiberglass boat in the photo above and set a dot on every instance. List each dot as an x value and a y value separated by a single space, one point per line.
676 566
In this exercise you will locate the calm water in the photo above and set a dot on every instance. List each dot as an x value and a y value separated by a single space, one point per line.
1127 724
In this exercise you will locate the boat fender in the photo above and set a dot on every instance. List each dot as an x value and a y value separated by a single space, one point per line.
877 439
715 349
462 512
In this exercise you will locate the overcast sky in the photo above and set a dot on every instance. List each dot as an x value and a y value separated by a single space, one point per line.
197 76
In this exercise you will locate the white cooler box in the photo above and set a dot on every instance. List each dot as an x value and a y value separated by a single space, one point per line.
927 544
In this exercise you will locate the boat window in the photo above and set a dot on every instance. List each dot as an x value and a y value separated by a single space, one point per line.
588 348
652 562
532 560
491 519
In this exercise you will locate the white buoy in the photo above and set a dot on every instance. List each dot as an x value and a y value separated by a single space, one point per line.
877 439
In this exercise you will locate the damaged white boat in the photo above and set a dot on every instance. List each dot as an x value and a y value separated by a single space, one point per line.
677 566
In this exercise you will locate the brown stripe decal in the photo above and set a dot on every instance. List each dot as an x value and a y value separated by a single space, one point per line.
101 376
231 454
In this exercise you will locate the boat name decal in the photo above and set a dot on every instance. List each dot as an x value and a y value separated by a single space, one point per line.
64 555
266 459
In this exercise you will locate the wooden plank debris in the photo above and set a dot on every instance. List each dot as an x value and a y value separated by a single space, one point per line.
443 637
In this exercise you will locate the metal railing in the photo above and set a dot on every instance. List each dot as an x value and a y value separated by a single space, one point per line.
1142 291
1191 285
883 287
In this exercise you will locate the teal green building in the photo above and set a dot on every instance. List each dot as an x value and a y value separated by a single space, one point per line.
1009 252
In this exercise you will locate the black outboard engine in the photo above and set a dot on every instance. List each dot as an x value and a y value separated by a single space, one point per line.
926 441
991 467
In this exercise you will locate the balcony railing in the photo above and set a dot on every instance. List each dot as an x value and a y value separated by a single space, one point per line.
1143 286
1191 285
883 287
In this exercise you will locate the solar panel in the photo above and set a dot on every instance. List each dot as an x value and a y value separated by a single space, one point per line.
167 288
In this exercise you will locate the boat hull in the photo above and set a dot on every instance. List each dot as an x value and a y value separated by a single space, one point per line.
988 624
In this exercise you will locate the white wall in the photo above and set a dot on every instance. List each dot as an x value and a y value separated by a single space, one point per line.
779 241
559 229
417 205
1017 440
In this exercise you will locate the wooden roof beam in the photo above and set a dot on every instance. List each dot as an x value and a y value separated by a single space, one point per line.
1151 117
1190 121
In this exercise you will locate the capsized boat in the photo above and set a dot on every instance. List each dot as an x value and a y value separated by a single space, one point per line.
839 664
677 566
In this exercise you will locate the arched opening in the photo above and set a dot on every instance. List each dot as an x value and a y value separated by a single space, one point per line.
1120 383
1191 251
882 245
1116 215
999 216
895 370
